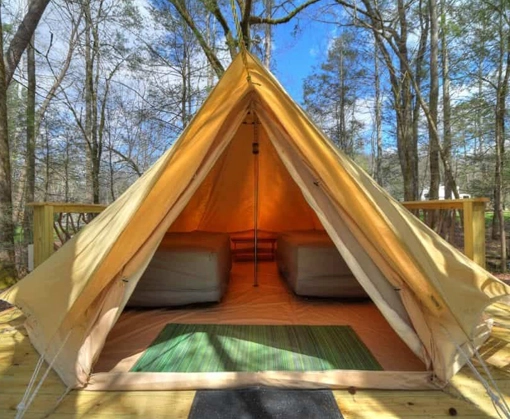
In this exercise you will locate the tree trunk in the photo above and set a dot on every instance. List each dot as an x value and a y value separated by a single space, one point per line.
268 34
91 102
211 44
30 149
418 73
7 256
184 92
22 37
112 170
8 65
447 107
435 176
447 110
47 166
89 87
342 134
498 179
378 118
407 144
500 112
400 81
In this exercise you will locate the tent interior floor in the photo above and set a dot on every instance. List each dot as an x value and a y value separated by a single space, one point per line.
271 303
465 394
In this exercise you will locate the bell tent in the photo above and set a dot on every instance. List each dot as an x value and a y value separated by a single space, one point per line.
250 134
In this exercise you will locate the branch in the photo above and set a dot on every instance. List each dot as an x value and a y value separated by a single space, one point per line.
22 37
245 23
211 56
73 40
255 20
212 6
127 159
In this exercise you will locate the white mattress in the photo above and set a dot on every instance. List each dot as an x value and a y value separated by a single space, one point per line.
312 266
186 268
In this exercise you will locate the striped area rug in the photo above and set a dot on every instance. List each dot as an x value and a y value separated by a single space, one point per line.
222 348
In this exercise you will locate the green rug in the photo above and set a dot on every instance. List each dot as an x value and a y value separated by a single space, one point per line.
222 348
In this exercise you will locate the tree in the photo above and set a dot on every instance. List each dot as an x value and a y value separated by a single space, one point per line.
332 91
101 62
447 109
246 19
486 45
8 64
435 176
390 28
377 173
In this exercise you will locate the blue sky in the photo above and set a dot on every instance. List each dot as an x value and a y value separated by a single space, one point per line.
295 55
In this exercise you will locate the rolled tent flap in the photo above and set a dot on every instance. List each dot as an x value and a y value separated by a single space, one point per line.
421 284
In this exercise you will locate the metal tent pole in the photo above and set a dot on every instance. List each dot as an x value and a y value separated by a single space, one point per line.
255 150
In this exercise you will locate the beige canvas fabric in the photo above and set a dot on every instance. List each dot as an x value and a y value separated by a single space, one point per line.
431 294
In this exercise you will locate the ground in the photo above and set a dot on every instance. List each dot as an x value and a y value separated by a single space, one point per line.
464 397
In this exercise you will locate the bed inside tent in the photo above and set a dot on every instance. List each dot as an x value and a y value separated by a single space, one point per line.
259 331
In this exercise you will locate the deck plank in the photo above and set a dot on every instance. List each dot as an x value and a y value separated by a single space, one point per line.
465 394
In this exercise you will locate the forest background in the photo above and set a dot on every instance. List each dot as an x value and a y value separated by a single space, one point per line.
92 92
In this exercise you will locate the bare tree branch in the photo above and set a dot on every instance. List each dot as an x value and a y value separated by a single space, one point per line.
23 36
255 20
211 56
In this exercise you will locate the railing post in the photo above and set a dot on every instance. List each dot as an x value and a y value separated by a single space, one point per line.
43 233
474 231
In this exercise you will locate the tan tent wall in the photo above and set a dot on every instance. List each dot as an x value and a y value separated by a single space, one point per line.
406 243
59 295
225 201
375 206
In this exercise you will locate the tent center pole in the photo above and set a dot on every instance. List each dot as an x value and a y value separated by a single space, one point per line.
255 151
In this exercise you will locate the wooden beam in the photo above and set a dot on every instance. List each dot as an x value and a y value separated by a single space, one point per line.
442 203
43 224
474 231
43 233
473 218
70 207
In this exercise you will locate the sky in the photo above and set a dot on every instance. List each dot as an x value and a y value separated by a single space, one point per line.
295 52
298 46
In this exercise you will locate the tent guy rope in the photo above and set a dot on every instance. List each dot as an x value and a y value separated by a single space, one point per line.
29 396
498 400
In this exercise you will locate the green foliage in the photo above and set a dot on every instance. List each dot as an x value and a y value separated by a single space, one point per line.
489 215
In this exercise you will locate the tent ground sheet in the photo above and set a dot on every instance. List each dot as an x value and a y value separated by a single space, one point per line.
271 303
230 347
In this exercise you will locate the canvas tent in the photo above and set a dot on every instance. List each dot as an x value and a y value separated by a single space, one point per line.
430 294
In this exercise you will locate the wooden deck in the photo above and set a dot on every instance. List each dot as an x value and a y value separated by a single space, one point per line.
465 394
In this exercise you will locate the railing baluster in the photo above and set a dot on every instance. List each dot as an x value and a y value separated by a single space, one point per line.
45 228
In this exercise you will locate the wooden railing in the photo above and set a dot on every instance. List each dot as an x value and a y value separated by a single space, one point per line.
55 220
52 229
473 221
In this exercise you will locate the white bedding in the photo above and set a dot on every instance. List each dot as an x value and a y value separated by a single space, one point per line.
187 268
312 266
